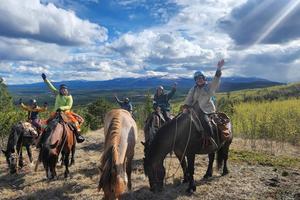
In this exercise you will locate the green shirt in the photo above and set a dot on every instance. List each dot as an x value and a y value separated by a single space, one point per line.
65 103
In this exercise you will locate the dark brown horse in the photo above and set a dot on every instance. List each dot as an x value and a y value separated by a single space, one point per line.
21 135
153 123
187 139
57 138
120 132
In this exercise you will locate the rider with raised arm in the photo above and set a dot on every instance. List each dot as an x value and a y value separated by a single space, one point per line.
203 92
161 99
64 103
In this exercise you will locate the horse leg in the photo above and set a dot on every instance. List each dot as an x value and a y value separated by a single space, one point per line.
183 164
224 151
72 155
66 161
191 168
128 172
62 158
209 170
19 151
29 153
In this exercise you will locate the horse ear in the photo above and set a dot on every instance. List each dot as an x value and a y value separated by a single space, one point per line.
143 143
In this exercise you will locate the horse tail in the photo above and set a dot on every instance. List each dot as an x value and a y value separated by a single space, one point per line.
105 168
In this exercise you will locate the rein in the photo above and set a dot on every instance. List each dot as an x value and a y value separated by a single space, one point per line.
184 152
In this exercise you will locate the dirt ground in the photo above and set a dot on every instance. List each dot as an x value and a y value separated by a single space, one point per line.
244 181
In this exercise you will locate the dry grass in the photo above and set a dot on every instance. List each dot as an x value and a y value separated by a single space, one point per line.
245 181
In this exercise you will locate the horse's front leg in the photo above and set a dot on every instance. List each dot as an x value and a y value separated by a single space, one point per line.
191 169
66 161
211 158
183 164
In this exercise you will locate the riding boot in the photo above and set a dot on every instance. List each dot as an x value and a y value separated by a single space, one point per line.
79 137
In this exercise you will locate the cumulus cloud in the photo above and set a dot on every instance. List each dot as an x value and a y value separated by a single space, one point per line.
47 23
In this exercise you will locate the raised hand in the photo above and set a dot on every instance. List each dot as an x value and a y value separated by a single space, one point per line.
221 63
44 76
175 85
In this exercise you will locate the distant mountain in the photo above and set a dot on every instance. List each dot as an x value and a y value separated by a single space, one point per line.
227 84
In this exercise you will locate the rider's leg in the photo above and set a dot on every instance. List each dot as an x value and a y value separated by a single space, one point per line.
76 127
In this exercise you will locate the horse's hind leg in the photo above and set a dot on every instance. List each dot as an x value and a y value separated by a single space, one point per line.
72 155
209 170
66 161
225 152
19 151
128 171
29 153
191 169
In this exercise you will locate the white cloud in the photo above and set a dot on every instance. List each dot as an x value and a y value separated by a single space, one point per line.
47 23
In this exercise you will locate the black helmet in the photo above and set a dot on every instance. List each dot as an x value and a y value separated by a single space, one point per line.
32 101
63 86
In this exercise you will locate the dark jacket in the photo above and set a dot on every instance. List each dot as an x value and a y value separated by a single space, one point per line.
125 105
163 100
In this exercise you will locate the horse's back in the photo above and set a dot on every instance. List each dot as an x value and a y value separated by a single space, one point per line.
122 120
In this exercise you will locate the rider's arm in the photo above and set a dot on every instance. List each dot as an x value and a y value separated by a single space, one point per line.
171 94
24 107
50 86
189 98
118 101
69 103
130 107
39 109
214 85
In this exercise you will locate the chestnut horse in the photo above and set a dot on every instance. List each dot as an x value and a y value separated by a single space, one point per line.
120 133
57 138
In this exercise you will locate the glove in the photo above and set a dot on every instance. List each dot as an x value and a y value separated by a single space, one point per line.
20 101
44 76
58 110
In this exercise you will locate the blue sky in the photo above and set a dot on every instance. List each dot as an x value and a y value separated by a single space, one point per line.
106 39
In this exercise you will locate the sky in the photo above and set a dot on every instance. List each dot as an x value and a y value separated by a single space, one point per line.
106 39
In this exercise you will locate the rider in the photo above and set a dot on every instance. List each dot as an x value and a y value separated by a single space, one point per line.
64 103
125 104
203 92
162 100
33 112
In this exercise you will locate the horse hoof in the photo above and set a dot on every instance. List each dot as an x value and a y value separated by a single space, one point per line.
207 176
190 191
225 173
185 181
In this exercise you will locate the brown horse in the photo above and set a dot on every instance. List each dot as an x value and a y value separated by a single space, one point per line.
57 138
120 132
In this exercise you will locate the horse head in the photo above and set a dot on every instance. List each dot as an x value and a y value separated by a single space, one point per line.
113 179
11 160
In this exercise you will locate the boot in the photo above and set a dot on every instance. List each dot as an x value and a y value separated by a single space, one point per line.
79 137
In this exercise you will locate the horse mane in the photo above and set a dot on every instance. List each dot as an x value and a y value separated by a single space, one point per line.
110 155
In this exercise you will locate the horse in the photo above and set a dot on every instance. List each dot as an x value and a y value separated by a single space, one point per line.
155 121
57 138
120 131
21 135
187 138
